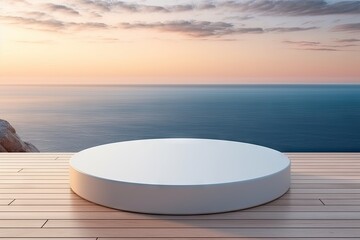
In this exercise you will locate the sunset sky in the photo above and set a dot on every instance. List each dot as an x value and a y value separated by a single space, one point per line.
183 41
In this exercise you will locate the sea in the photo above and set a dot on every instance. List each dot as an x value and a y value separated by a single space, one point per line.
288 118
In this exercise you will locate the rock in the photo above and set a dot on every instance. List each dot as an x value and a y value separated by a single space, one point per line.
31 147
2 149
11 142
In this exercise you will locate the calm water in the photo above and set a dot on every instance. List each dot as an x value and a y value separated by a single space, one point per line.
287 118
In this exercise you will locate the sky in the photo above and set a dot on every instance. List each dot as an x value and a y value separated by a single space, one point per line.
179 41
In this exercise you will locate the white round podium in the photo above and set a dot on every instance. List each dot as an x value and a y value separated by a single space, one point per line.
179 176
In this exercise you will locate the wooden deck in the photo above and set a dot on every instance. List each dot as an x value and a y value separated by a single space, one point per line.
323 203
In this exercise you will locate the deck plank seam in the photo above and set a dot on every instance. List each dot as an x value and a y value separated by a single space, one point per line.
11 202
44 223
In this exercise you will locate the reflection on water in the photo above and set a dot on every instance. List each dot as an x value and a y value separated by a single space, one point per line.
287 118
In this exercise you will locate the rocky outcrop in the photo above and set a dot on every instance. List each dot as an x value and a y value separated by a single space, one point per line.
11 142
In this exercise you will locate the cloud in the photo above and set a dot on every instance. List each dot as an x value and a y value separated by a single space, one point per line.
52 24
94 5
34 14
42 24
145 8
240 18
348 40
60 8
248 30
310 46
294 7
318 46
91 25
180 8
107 6
302 43
268 7
191 28
206 6
321 49
39 16
289 29
205 29
350 27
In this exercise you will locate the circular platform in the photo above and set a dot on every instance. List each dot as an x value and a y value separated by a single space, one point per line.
179 176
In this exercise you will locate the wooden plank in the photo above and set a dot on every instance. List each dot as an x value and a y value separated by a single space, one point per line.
327 167
19 177
45 170
24 165
36 154
323 185
321 153
295 202
33 186
54 238
292 208
319 174
34 161
33 191
341 202
21 173
339 164
43 181
5 202
58 202
56 208
9 170
321 196
327 160
79 201
66 190
321 157
41 168
203 223
338 191
252 215
232 238
323 181
340 170
20 223
324 177
324 162
28 156
184 233
39 196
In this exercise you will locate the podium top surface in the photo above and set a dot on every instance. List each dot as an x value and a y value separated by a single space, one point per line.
179 161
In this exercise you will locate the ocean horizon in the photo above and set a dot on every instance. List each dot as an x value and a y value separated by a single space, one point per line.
286 117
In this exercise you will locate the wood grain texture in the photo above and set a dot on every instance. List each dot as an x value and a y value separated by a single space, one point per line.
183 232
191 223
36 202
